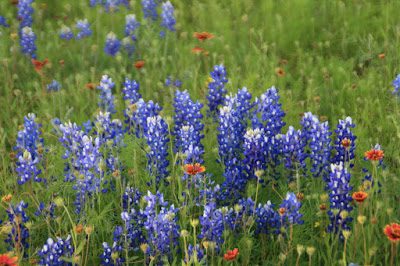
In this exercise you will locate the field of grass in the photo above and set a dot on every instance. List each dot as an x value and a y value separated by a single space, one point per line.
332 58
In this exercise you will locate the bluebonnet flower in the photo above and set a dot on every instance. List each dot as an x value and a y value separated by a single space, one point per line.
88 162
27 42
84 29
320 146
255 151
293 149
3 22
88 125
29 138
150 9
242 103
229 140
289 210
18 238
84 162
345 142
112 44
109 5
110 134
56 121
133 229
157 139
140 112
108 130
169 82
162 229
131 91
131 96
46 211
131 25
192 250
240 216
396 85
216 88
318 136
92 3
191 148
167 17
128 45
107 255
66 33
130 198
106 102
29 150
27 168
71 136
178 83
212 224
268 115
54 86
25 13
232 125
114 4
308 123
340 198
267 220
54 252
188 127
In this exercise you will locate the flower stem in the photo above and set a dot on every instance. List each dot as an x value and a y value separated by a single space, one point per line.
365 246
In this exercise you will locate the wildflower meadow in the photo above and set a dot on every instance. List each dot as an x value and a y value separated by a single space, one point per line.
179 132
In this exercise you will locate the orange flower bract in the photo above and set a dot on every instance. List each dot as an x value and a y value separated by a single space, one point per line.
392 231
39 65
280 72
346 143
194 169
90 86
139 64
202 36
374 155
360 196
6 260
231 255
198 50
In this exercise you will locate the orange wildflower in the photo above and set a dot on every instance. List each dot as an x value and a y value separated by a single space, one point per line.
198 50
194 169
381 56
346 143
39 65
360 196
392 231
6 260
202 36
7 198
374 155
79 228
139 64
280 72
90 86
231 255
